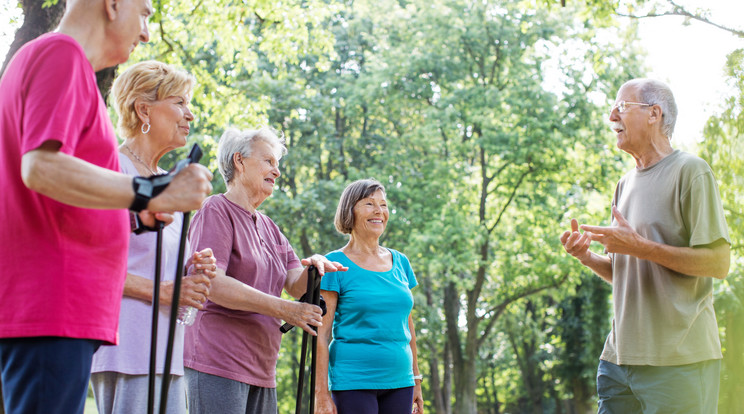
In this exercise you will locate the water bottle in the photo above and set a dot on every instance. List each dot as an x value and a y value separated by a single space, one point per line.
187 315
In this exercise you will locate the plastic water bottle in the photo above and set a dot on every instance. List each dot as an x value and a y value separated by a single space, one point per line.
187 315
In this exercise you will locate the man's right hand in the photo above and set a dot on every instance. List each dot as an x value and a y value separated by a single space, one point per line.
575 243
186 192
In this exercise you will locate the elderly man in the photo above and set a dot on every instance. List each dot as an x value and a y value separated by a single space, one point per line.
63 222
667 241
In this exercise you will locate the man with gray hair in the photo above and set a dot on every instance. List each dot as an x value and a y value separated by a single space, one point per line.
668 239
65 210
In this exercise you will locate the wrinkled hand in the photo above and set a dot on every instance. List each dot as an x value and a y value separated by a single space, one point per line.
324 403
302 315
203 262
575 243
148 218
620 239
323 264
186 192
195 287
194 291
418 400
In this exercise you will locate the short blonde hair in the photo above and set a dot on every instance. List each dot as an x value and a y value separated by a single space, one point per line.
242 141
358 190
149 81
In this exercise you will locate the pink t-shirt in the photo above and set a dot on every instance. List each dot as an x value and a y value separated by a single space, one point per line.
64 267
238 345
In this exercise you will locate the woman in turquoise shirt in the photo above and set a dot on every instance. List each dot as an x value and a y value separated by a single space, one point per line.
370 366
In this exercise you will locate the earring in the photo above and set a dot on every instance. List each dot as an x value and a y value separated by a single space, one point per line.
145 128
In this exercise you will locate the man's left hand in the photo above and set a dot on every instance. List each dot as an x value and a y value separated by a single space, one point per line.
620 239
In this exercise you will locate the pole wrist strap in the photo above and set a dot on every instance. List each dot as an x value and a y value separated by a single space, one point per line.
147 188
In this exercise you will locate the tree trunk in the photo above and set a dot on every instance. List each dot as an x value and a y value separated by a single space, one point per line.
465 401
447 382
105 78
37 20
435 386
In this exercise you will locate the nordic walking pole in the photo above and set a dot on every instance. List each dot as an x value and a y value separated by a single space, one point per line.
174 315
312 296
155 312
194 156
314 341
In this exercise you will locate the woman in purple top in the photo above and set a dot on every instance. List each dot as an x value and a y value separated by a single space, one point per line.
231 350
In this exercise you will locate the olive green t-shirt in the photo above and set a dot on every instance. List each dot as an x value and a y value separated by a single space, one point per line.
663 317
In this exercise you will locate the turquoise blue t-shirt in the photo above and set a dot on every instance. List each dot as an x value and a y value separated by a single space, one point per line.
371 341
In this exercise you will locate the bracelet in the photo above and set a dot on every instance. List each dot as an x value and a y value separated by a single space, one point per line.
418 377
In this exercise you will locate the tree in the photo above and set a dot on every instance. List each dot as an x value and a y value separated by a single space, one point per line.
663 8
723 148
40 16
499 143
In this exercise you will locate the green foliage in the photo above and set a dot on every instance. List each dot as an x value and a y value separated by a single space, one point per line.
446 103
486 122
723 148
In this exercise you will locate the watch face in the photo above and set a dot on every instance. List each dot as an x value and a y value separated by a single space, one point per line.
133 221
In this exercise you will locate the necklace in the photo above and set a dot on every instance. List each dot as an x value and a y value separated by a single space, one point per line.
139 159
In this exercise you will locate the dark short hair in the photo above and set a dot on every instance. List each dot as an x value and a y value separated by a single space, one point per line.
354 192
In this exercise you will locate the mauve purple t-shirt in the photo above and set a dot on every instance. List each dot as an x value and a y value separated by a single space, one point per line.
239 345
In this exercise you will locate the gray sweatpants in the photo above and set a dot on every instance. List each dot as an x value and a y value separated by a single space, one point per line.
118 393
210 394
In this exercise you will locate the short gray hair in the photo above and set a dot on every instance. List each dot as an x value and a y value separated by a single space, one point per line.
242 141
654 92
360 189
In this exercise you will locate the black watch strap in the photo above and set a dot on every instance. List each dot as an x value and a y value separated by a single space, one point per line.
142 193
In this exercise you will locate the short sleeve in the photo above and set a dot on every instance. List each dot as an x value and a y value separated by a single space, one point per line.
57 100
292 260
212 228
703 212
406 264
330 282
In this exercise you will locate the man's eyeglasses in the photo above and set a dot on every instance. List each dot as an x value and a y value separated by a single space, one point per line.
622 106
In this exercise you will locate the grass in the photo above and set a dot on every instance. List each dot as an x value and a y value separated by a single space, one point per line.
90 405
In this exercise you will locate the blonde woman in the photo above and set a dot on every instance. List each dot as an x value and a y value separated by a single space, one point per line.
152 101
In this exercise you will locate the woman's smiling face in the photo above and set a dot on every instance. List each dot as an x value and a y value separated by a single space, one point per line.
371 214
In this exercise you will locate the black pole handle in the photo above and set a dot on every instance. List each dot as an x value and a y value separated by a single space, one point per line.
313 297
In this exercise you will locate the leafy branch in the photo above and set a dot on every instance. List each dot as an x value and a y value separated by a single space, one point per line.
678 10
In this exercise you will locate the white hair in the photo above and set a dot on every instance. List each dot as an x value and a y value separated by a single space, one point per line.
655 92
242 142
